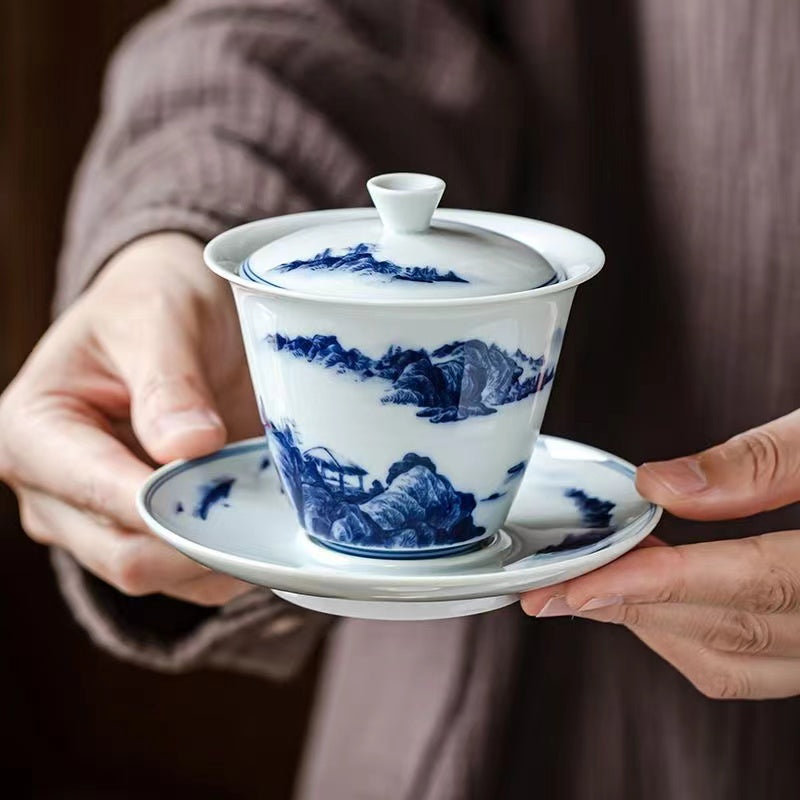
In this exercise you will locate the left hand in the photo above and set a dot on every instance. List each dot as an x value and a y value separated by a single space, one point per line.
726 614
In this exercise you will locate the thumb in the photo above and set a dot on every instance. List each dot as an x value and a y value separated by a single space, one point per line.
756 471
173 412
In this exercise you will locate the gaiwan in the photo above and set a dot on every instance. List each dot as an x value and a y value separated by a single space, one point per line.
402 358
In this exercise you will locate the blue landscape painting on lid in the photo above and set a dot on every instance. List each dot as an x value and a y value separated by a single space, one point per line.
454 382
360 260
414 507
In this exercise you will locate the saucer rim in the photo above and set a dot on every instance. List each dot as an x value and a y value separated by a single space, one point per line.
336 583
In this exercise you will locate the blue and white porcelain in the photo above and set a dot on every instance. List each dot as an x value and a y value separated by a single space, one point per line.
576 509
402 360
402 254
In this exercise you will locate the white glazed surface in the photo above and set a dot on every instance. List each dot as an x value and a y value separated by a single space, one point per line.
344 411
399 251
406 612
572 255
249 531
479 262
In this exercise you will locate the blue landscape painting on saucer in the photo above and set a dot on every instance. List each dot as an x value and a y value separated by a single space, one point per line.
458 380
413 508
414 504
596 518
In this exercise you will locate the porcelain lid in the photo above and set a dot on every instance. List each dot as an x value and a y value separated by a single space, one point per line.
402 252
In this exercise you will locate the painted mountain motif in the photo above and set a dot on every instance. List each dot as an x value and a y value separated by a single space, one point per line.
360 260
211 495
454 382
415 507
513 473
595 516
595 512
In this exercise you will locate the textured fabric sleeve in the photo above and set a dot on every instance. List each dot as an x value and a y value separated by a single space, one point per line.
216 112
257 634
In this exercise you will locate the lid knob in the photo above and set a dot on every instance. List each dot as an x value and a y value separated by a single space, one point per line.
405 200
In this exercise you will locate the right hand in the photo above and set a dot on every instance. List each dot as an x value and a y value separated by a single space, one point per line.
147 366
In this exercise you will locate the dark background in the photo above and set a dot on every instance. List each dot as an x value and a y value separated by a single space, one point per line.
75 723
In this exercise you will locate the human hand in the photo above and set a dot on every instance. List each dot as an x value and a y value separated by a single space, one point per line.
146 366
726 614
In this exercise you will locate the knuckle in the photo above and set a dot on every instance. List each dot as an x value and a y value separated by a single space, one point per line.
743 633
129 570
152 388
763 451
632 615
209 596
147 310
723 684
775 589
32 523
666 568
670 562
777 593
4 460
11 427
93 493
213 597
159 391
96 490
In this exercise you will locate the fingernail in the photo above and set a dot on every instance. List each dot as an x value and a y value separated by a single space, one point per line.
191 419
556 606
680 476
595 603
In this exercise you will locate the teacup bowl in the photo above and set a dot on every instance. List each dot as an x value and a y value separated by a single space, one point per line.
401 427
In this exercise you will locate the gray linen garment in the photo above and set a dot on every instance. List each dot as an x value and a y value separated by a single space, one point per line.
669 132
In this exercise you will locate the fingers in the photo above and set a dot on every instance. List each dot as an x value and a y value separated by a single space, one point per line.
725 614
755 471
133 562
750 574
214 589
714 628
535 600
651 541
723 676
172 408
125 350
65 452
56 423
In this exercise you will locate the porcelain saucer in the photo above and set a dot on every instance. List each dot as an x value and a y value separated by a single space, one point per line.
577 509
